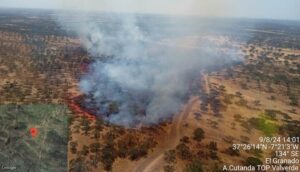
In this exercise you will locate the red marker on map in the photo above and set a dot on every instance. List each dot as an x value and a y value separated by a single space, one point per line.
33 132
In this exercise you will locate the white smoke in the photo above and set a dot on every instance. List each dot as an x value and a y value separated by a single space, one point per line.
145 70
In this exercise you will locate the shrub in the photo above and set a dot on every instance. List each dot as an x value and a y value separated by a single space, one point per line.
267 127
238 117
95 147
170 156
232 152
212 145
169 168
85 150
183 151
293 100
108 156
238 94
73 147
136 153
195 166
253 161
185 139
213 155
292 128
242 102
198 134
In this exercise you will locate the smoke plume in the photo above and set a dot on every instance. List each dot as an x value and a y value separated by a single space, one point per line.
143 65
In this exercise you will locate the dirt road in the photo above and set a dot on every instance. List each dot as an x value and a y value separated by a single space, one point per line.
155 160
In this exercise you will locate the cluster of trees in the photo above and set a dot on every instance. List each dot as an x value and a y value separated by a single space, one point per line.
192 155
287 40
273 67
134 148
28 56
212 99
113 144
292 128
170 159
13 92
184 152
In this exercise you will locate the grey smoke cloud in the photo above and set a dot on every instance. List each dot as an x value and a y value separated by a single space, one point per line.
149 66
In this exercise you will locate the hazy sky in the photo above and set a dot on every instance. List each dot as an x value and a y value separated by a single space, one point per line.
275 9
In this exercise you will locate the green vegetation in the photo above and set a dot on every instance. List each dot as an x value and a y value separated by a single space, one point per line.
264 125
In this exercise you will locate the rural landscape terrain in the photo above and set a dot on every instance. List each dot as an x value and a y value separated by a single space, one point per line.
42 64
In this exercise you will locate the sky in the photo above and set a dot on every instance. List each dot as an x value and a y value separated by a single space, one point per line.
270 9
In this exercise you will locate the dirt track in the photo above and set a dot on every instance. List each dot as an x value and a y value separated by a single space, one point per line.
155 160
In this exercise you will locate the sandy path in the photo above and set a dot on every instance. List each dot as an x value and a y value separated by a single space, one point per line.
155 161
